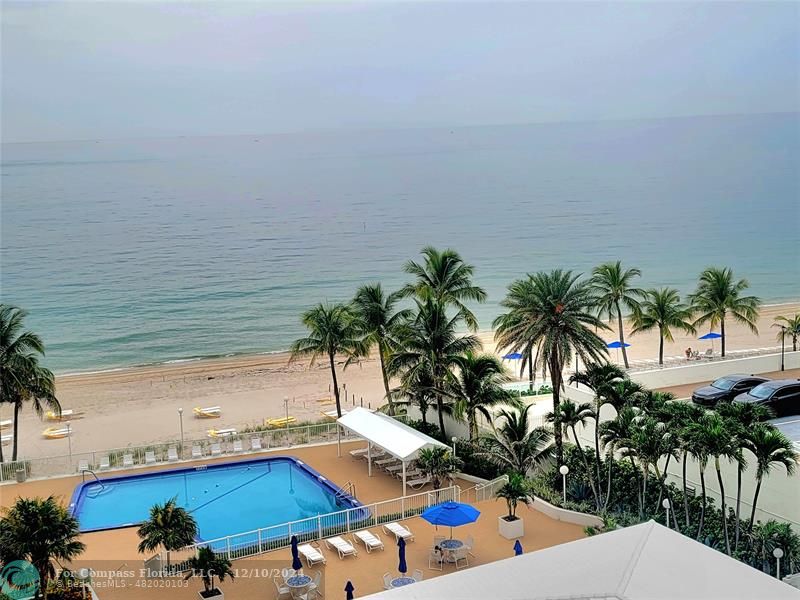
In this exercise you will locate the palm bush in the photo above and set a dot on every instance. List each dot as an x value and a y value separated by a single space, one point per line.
514 445
169 526
206 564
513 492
438 463
788 327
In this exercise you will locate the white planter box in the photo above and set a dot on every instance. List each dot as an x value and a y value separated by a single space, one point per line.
511 530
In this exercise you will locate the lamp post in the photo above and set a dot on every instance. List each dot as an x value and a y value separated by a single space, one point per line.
564 469
783 347
69 440
180 418
665 503
454 440
778 554
286 407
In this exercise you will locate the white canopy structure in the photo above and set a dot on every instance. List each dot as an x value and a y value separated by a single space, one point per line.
396 438
642 562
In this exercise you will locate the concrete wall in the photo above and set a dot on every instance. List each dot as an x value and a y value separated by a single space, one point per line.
562 514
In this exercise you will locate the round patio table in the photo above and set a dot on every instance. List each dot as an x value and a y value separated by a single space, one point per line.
449 547
298 581
401 581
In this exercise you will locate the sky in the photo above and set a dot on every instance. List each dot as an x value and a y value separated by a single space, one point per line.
100 70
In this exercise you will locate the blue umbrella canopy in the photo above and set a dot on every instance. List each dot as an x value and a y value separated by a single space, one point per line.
517 548
296 564
349 589
618 345
451 514
402 567
513 356
711 335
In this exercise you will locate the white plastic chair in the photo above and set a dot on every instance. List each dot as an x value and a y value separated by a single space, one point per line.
237 446
197 451
127 460
469 544
105 462
417 575
435 558
387 581
255 444
282 589
172 454
149 457
459 556
314 586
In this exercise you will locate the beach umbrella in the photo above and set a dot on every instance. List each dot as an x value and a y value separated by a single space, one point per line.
517 548
451 514
513 356
296 564
618 345
711 335
349 589
402 567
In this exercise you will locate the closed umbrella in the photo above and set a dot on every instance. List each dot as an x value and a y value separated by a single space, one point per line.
296 564
402 567
451 514
349 589
517 548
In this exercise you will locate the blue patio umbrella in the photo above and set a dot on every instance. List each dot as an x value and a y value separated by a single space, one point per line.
711 335
618 345
517 548
296 564
402 567
513 356
349 589
451 514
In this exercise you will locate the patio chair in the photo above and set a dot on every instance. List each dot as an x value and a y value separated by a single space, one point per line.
105 462
417 575
149 457
387 581
197 451
237 446
370 540
342 546
469 544
359 453
127 460
419 483
311 554
399 531
438 539
255 443
216 449
282 589
709 353
172 454
83 465
435 560
460 555
314 586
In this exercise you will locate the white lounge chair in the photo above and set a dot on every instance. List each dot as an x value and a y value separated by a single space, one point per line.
398 531
342 546
149 457
208 412
358 453
197 451
421 482
5 439
418 575
370 540
237 446
127 460
311 554
221 433
5 423
105 462
387 581
172 454
83 465
216 449
255 443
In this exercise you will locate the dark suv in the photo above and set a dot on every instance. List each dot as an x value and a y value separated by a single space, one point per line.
725 389
781 395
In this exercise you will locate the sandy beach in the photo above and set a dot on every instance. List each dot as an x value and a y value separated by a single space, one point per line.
136 406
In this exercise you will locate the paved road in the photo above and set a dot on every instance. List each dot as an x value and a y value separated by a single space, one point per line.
685 391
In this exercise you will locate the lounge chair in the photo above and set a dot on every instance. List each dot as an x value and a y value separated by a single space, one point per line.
221 433
83 465
370 540
387 581
216 449
417 575
709 353
436 560
386 461
281 422
52 415
5 439
172 454
209 412
56 433
255 444
342 546
149 457
282 590
5 423
311 554
237 446
127 460
358 453
419 483
197 451
398 531
105 462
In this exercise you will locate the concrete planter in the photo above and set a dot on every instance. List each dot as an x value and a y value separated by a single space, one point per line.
215 594
511 530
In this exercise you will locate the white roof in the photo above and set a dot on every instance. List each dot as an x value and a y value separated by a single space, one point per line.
642 562
398 439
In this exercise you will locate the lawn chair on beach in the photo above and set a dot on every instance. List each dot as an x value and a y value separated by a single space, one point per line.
56 433
5 423
52 415
209 412
221 433
419 483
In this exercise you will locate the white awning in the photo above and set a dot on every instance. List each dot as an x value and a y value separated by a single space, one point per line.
398 439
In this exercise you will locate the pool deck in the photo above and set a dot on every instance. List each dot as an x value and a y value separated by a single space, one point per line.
116 550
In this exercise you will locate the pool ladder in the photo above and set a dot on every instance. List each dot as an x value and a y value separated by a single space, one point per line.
348 489
96 478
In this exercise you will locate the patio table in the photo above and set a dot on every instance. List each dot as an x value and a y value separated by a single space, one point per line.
401 581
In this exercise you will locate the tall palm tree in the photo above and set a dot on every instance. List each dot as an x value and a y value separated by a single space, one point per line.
770 448
478 387
684 414
40 531
379 321
552 312
718 295
649 444
664 310
416 388
333 330
445 278
614 290
624 393
169 526
570 415
515 445
789 327
22 378
616 435
430 342
438 463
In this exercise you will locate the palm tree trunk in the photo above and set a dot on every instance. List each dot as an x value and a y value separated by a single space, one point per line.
723 507
622 336
588 468
385 380
722 339
1 452
703 505
555 380
16 430
660 347
529 352
755 502
646 476
440 410
638 487
335 384
662 480
473 426
597 446
610 460
685 494
738 507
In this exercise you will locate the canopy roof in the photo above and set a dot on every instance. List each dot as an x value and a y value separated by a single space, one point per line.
398 439
643 562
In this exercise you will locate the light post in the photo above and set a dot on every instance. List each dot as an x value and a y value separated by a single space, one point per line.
778 554
783 347
454 440
180 418
286 407
665 503
69 440
564 469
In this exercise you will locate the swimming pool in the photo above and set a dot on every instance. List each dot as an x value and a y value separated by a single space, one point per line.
224 498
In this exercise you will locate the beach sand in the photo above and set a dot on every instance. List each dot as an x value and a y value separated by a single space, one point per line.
115 409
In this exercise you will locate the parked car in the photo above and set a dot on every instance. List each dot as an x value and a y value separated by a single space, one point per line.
726 389
781 395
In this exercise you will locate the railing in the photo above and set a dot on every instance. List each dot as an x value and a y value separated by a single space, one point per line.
276 537
483 491
645 364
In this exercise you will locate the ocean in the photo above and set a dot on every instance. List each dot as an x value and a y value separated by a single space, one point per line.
146 251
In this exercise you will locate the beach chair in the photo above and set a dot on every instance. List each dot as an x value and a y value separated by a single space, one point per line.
417 575
311 554
209 412
216 449
370 540
342 546
127 460
149 457
255 444
56 433
358 453
83 465
5 439
197 451
419 483
237 446
398 531
709 353
5 423
172 454
387 581
435 560
52 415
105 462
384 462
281 422
221 433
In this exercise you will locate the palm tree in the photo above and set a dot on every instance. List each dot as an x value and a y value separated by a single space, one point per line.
207 564
514 490
416 389
445 278
22 378
438 463
612 286
719 295
616 435
552 313
40 531
169 526
431 343
334 330
662 309
570 415
379 322
515 445
770 448
649 443
624 393
478 387
789 327
684 414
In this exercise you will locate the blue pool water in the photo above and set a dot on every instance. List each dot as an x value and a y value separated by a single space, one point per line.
225 499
